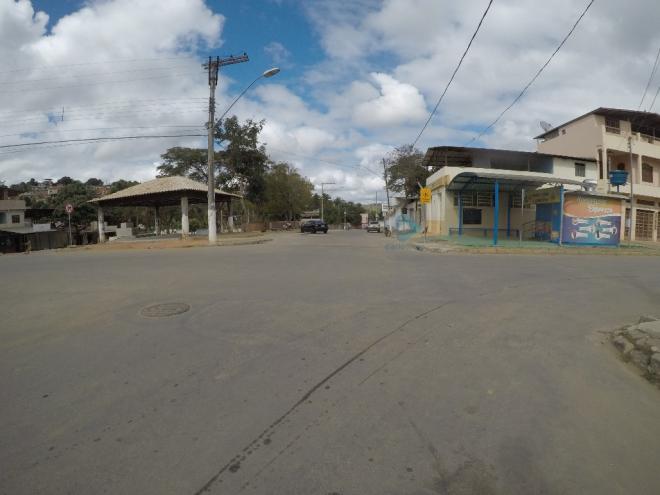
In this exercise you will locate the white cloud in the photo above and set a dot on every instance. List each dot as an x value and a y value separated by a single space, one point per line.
384 65
278 53
109 76
397 103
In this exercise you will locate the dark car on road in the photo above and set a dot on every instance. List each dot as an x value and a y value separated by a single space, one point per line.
314 226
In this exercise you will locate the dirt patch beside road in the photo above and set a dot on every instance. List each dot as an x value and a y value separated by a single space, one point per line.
190 242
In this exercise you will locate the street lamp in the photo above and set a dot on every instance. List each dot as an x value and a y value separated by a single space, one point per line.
324 184
211 154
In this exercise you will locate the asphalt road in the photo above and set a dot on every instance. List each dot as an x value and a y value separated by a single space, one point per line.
324 364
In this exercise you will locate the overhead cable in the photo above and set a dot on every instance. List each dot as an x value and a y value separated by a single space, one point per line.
524 90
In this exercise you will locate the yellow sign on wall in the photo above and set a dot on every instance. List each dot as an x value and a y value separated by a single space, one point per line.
544 195
425 195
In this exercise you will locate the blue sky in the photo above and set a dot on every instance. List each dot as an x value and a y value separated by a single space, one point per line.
359 77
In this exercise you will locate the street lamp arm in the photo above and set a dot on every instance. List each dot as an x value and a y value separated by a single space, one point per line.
236 99
268 73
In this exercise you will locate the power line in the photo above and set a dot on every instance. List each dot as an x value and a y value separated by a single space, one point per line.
474 35
102 116
524 90
121 81
85 129
118 138
93 74
655 67
653 102
120 61
92 111
323 161
131 103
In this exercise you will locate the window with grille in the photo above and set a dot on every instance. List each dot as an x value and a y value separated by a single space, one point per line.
15 219
580 170
484 199
647 172
471 216
612 125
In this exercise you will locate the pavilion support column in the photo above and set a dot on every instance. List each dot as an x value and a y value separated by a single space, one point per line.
157 221
496 220
230 215
185 225
100 220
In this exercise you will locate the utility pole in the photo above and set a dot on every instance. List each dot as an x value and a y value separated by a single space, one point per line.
632 197
213 66
323 184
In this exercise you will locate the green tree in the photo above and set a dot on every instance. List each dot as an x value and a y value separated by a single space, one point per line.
66 180
187 162
94 182
286 194
122 184
78 195
243 162
404 171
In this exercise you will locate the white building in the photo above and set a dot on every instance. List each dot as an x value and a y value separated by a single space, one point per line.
12 211
607 135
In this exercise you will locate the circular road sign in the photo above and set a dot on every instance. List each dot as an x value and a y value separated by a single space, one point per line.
69 208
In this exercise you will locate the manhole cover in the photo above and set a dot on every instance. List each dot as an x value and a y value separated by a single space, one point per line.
164 309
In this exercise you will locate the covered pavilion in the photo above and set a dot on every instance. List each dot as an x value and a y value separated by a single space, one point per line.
162 191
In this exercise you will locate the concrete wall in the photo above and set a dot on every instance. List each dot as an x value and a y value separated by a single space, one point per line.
580 138
442 214
565 168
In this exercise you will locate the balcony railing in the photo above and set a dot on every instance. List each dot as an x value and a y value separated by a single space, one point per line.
649 139
613 130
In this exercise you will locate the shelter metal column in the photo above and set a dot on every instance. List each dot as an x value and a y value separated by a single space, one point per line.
508 216
496 220
460 214
185 225
157 221
101 226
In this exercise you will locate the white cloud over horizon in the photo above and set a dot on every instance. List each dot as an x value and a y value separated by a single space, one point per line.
382 68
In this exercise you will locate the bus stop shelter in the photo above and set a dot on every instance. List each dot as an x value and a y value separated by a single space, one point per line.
162 191
500 181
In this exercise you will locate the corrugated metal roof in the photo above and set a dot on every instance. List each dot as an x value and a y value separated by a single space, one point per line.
160 185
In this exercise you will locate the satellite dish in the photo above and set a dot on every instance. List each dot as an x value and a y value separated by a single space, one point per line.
546 126
589 185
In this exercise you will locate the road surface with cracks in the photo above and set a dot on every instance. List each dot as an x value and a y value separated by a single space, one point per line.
324 364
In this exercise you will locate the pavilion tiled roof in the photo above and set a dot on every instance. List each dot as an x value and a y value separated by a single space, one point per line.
162 191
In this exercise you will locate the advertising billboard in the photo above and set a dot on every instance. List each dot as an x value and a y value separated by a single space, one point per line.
591 220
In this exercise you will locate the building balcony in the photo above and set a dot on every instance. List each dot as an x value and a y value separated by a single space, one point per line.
615 138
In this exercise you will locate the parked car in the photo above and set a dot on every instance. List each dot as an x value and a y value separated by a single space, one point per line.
314 226
373 227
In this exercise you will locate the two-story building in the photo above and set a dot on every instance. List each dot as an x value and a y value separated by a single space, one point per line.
610 136
12 210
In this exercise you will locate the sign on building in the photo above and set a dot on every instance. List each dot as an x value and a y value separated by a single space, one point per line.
591 220
542 196
425 195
